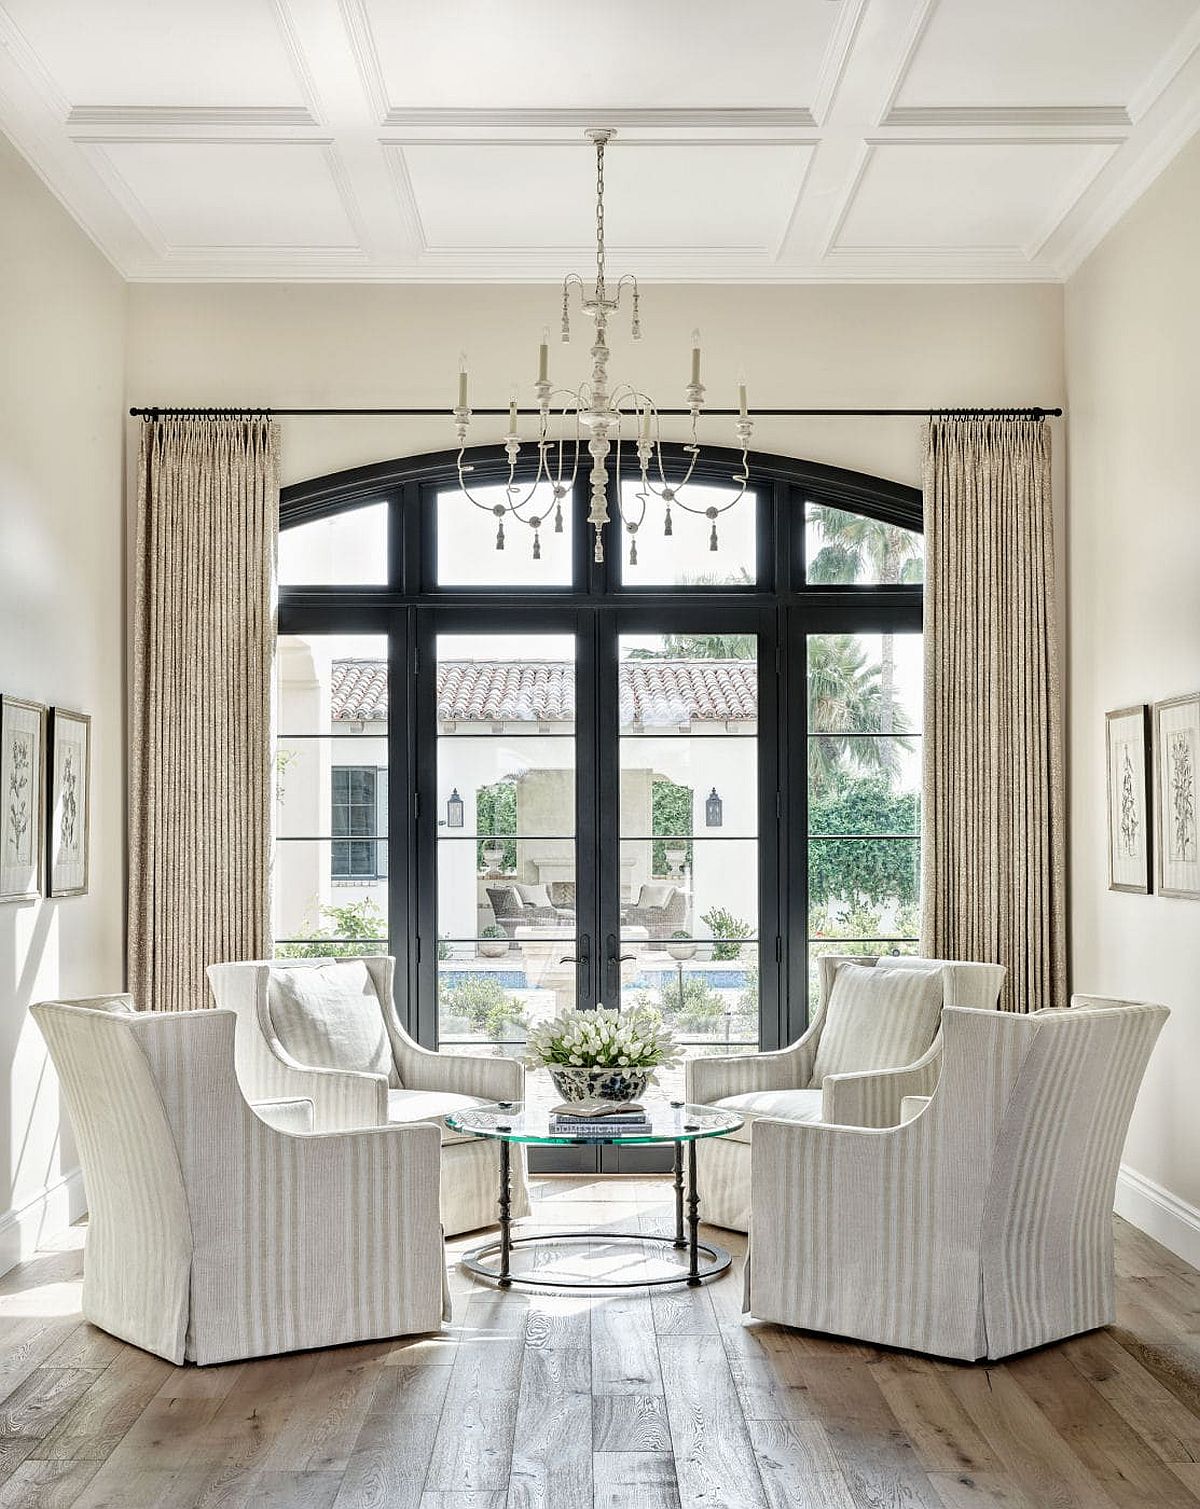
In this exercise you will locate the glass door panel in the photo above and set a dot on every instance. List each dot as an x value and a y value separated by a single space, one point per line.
506 840
688 854
864 794
330 882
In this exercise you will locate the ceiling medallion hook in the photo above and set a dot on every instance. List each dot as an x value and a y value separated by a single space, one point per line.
602 411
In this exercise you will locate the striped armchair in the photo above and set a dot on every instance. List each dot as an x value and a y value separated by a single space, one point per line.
982 1225
327 1029
812 1080
214 1234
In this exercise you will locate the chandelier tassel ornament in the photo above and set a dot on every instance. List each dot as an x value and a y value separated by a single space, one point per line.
602 413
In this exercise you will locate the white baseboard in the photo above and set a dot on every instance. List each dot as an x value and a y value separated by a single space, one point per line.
1159 1213
25 1227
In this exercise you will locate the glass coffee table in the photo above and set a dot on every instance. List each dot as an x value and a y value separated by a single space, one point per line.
668 1121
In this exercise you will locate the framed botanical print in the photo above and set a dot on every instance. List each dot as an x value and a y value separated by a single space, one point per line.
1128 779
69 813
1176 790
22 773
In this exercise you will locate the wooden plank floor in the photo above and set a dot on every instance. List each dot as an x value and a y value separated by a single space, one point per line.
641 1400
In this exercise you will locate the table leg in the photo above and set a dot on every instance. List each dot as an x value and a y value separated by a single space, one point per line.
693 1203
504 1280
679 1239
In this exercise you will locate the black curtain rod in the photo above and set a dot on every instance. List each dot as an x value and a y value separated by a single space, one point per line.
1034 412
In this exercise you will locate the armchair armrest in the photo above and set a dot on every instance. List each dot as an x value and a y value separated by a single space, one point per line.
873 1099
486 1076
294 1116
343 1099
710 1079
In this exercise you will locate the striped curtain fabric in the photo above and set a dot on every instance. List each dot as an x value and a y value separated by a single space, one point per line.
993 849
200 764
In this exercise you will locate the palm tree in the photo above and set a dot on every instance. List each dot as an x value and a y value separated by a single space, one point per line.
845 698
857 547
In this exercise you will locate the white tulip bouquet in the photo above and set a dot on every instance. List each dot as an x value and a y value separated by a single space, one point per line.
636 1040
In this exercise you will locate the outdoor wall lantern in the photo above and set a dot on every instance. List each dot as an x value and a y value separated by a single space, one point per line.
714 810
454 810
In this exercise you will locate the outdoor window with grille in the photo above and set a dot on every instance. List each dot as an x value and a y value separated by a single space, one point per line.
355 800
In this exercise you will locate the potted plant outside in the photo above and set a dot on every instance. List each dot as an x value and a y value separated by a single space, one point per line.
493 942
685 949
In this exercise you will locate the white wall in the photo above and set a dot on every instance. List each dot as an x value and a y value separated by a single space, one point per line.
61 524
313 344
1133 346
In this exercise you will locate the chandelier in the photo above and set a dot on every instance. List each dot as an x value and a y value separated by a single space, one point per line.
608 414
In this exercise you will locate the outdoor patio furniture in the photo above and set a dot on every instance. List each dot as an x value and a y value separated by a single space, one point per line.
511 910
661 909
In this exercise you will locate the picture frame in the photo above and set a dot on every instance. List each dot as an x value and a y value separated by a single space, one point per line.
1177 795
1128 785
68 812
22 798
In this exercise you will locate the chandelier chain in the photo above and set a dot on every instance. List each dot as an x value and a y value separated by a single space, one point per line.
600 218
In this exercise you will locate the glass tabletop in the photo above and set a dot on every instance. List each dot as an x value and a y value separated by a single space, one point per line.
666 1121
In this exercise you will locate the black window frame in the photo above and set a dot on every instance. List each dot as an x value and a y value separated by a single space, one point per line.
780 606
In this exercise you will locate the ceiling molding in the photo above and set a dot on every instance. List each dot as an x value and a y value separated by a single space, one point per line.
366 56
152 120
854 70
837 55
1024 117
579 120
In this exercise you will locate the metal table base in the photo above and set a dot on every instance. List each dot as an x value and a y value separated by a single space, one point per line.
717 1260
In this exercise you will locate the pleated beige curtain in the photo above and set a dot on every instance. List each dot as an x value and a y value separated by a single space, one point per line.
993 881
200 767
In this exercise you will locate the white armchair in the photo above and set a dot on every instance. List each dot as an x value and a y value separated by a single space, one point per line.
849 1083
215 1235
327 1030
982 1225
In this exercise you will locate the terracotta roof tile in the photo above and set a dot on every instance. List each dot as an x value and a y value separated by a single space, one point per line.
654 693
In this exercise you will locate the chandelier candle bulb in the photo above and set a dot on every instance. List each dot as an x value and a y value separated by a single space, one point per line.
462 380
742 409
544 356
512 412
695 358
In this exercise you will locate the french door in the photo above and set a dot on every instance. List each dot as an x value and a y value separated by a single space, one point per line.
590 824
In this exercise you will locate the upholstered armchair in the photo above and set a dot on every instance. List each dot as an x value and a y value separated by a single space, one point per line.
660 908
214 1235
855 1078
327 1030
982 1225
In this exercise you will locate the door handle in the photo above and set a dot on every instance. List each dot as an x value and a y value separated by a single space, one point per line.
583 968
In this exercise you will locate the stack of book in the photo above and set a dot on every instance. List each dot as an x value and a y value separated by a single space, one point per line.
598 1118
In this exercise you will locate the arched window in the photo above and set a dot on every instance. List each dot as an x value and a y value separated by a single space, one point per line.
547 781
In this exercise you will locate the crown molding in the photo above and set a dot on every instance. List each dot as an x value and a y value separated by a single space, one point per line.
578 120
1018 117
84 121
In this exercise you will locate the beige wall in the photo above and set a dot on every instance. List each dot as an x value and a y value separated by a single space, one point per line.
897 345
61 511
1133 345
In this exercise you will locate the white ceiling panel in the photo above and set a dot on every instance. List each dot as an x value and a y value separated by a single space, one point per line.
516 195
232 194
771 141
968 196
175 53
628 55
980 53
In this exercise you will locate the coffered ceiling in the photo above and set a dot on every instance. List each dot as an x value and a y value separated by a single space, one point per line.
765 141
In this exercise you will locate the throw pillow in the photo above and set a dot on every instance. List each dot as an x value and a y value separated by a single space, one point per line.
328 1016
878 1018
